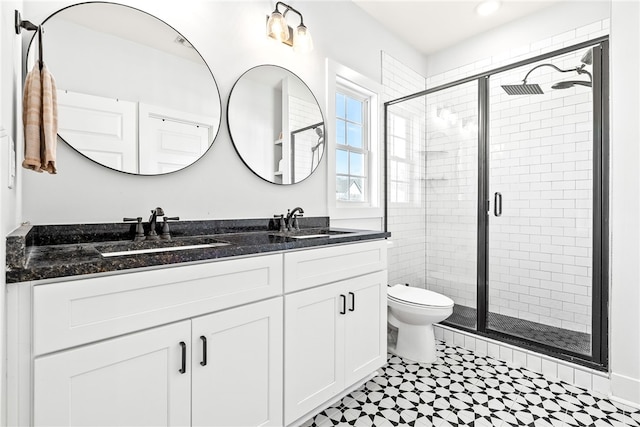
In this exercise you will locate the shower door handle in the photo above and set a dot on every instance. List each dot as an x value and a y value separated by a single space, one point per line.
497 204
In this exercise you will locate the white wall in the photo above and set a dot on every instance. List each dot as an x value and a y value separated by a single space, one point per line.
230 37
509 41
10 133
625 201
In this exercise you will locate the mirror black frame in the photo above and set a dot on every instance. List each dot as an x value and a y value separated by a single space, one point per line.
322 123
217 88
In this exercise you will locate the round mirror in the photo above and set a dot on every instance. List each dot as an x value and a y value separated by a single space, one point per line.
276 124
133 94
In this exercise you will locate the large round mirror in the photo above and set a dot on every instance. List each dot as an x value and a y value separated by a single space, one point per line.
133 94
276 124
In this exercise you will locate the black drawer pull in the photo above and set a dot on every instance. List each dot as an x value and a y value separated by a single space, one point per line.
344 304
183 369
353 301
204 350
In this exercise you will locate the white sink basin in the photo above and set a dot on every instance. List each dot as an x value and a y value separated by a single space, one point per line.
164 249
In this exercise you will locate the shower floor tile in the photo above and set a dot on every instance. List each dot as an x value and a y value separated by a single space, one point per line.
463 389
578 342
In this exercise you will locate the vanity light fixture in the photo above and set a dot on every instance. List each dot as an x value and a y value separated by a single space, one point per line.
488 7
278 29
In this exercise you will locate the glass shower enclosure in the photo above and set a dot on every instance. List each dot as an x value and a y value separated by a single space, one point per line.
496 197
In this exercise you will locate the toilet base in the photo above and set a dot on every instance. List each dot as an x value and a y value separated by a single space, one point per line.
416 343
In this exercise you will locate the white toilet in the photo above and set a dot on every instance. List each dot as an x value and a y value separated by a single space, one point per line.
414 311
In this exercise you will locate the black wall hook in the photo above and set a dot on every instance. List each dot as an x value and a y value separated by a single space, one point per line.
20 24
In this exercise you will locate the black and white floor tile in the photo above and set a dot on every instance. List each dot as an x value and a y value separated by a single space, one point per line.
464 389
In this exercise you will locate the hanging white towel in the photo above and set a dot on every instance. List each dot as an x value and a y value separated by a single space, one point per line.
40 118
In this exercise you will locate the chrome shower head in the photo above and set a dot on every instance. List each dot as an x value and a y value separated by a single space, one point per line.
319 132
570 83
587 58
523 89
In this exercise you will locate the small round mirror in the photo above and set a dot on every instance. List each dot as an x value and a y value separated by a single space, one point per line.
276 124
133 94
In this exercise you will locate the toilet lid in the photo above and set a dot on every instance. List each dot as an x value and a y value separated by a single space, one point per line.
418 296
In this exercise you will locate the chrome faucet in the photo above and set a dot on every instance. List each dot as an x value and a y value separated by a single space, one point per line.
152 235
293 215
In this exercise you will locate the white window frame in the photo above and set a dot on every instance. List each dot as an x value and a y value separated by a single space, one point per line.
339 75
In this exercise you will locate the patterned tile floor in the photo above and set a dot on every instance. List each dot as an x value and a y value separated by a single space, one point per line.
464 389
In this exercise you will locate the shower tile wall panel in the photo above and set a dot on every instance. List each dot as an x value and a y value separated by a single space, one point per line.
541 268
406 221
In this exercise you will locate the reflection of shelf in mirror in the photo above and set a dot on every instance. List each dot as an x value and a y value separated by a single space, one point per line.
278 142
440 178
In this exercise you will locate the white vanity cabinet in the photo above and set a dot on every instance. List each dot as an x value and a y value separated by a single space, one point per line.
223 369
249 341
335 330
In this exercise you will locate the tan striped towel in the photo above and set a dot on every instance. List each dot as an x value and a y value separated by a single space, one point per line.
40 118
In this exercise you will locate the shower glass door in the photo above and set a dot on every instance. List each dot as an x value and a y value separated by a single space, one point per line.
540 219
450 183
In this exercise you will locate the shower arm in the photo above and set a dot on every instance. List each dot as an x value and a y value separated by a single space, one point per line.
579 70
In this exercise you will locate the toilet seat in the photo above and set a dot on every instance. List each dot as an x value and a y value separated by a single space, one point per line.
418 297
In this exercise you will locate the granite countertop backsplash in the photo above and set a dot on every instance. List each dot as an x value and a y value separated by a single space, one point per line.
36 252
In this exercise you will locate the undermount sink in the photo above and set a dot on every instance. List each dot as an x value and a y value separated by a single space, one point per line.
154 246
309 234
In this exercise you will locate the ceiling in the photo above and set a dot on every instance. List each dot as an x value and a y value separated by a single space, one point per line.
433 25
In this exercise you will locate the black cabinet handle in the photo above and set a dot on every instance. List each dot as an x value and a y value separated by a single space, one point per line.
204 350
497 204
183 369
344 304
353 301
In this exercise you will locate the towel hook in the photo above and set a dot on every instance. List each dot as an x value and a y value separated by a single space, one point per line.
40 63
20 24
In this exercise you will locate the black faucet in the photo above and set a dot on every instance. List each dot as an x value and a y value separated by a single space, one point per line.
292 214
152 235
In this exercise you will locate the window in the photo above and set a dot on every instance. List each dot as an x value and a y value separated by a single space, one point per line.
354 163
352 146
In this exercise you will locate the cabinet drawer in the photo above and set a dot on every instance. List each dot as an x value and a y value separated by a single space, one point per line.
306 269
81 311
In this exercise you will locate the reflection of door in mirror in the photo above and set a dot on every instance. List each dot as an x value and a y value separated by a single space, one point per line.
124 57
171 140
103 129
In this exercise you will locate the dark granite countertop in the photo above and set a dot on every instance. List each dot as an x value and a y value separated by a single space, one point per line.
36 252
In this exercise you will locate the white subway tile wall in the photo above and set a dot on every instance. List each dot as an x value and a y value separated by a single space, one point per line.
541 162
540 268
406 209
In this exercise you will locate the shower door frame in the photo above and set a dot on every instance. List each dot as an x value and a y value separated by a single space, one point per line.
600 258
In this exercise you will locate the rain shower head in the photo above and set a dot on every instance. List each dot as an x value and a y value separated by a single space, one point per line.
535 89
523 89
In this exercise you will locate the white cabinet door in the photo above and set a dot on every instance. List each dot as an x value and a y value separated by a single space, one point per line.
133 380
365 326
239 382
314 340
